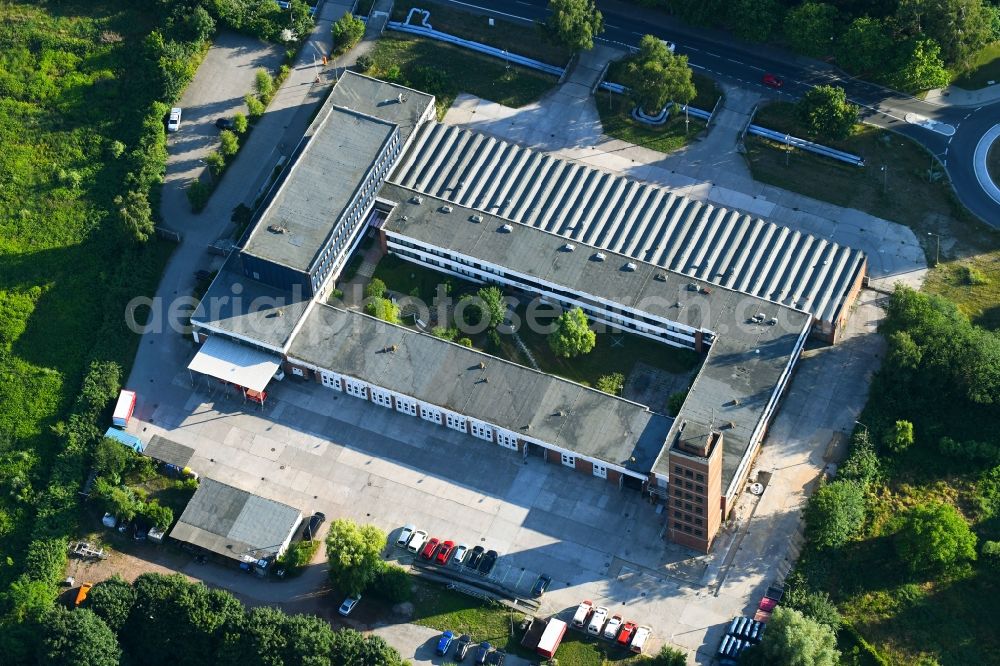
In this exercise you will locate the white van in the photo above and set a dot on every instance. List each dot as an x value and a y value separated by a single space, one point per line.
597 621
642 635
581 615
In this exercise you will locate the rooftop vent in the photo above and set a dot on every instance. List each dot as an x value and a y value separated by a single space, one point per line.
482 365
772 321
400 98
416 199
598 256
279 313
729 425
704 290
393 348
476 218
660 277
277 229
630 267
568 247
505 229
446 209
692 286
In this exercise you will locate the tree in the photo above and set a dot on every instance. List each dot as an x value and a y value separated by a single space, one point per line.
365 62
676 401
393 583
112 601
354 555
960 27
900 437
835 513
574 23
793 639
813 604
357 649
111 457
865 46
160 516
655 76
810 28
383 309
919 66
573 335
612 383
826 113
375 289
347 31
255 107
493 305
991 553
862 464
216 163
263 84
229 144
753 20
309 640
135 214
935 537
77 638
240 123
668 656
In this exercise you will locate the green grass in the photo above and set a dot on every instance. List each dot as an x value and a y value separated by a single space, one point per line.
909 199
518 38
985 67
66 270
409 279
446 71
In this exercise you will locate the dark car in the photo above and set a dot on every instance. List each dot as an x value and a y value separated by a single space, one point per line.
489 559
123 526
496 658
312 527
462 647
482 652
542 584
140 530
472 559
224 123
203 275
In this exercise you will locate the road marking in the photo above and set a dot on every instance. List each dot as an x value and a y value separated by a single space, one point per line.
616 27
967 115
950 138
714 55
691 64
641 34
735 61
979 163
488 10
759 69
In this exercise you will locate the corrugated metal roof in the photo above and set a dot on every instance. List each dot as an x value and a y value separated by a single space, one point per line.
638 219
235 363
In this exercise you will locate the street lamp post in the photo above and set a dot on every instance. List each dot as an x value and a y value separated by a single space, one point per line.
937 253
885 179
863 426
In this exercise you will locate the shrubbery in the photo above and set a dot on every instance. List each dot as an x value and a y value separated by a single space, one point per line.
347 31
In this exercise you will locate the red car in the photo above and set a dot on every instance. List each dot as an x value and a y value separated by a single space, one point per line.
772 81
625 633
444 552
429 548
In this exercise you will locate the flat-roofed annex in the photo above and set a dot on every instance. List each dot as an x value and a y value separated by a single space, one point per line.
320 186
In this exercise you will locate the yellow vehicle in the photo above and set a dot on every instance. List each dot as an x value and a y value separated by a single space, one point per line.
81 595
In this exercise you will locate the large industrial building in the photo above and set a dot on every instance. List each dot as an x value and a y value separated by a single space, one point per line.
741 291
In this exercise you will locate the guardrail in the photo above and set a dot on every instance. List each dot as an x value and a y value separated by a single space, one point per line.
802 144
476 46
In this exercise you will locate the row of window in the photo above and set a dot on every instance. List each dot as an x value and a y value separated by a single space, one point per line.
679 494
680 515
689 474
687 529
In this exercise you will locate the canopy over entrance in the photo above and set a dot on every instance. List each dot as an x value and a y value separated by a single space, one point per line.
243 366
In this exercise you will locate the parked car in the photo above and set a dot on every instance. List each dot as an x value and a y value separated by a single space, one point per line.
639 639
405 535
416 541
542 584
429 548
123 526
460 552
109 521
312 527
174 119
348 605
489 560
463 646
597 621
444 552
482 652
582 614
625 635
224 123
140 530
202 275
472 559
772 81
444 643
611 628
496 658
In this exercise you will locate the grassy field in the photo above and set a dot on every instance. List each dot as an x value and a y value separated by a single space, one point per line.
985 68
903 195
66 268
524 40
446 71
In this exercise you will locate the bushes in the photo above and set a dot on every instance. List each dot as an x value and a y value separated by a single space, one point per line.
240 124
347 31
216 164
375 289
298 556
255 107
613 383
392 583
383 309
264 85
835 514
198 194
934 537
365 63
229 145
676 401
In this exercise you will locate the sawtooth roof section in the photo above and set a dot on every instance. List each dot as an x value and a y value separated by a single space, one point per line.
641 220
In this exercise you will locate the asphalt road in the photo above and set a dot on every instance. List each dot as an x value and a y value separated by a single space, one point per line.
722 57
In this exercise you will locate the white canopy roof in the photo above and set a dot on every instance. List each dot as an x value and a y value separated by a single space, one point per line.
243 366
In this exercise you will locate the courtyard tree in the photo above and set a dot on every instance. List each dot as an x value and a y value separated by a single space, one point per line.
655 77
792 639
810 28
77 638
572 336
354 555
826 113
384 309
613 383
574 23
835 513
493 305
935 537
375 289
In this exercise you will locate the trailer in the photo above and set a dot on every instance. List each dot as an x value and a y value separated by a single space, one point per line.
128 440
551 638
123 408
